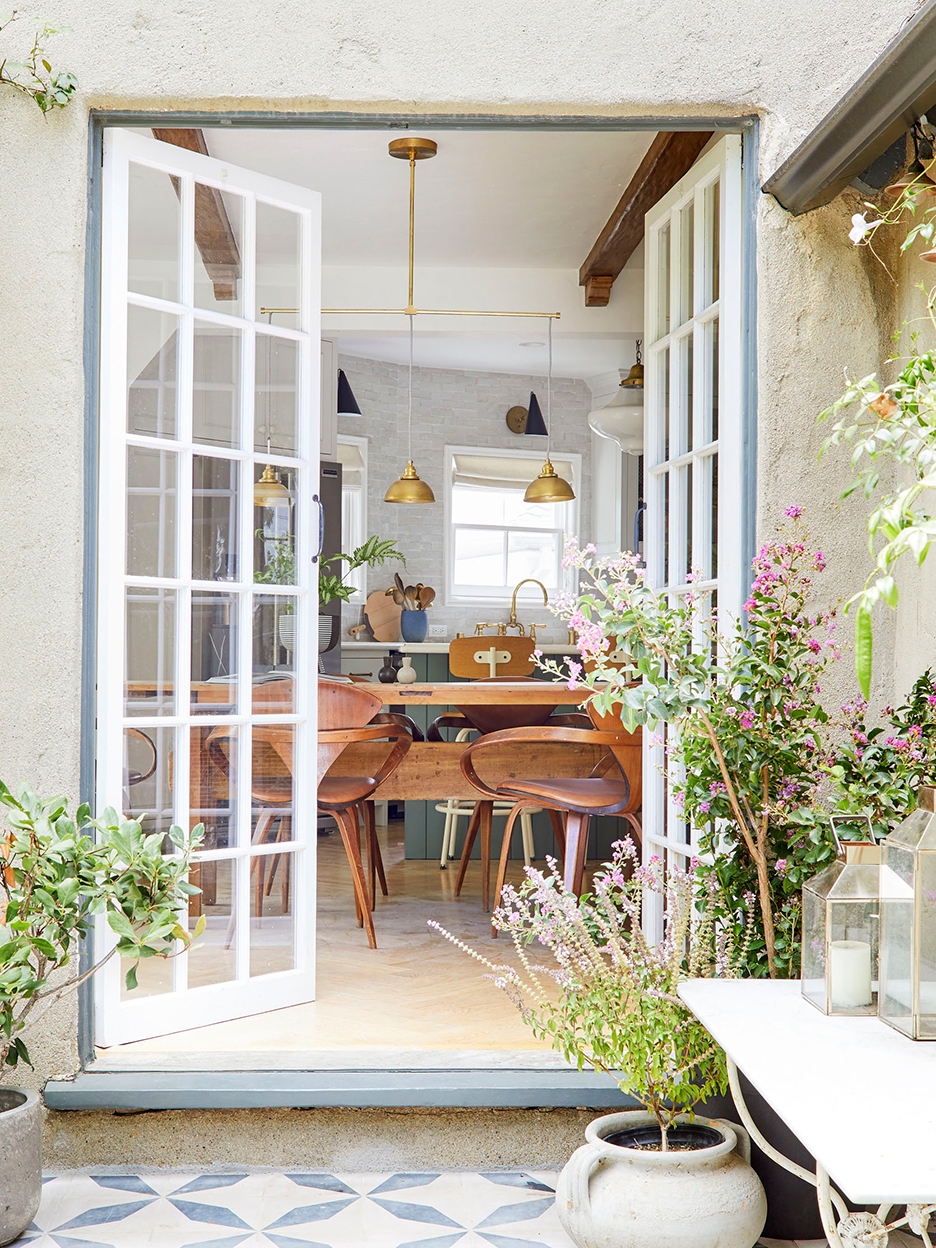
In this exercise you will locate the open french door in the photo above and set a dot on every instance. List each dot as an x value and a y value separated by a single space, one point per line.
208 516
692 432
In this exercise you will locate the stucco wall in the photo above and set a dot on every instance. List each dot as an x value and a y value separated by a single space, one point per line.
786 62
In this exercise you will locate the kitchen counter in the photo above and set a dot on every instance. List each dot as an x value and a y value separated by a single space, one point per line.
439 647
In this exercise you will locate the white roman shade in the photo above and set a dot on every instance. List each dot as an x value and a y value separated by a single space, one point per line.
352 465
504 472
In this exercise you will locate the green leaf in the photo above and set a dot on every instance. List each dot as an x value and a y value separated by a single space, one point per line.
131 977
863 649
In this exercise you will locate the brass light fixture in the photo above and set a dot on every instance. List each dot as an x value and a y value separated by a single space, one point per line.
269 491
549 487
635 378
409 488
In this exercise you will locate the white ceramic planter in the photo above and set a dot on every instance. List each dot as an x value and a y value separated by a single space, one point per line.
614 1197
20 1161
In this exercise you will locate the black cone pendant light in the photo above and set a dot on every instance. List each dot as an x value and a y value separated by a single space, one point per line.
347 403
534 420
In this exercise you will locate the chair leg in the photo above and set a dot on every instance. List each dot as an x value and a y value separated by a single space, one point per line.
282 834
468 846
526 831
558 831
350 834
576 848
518 811
637 828
374 857
264 819
487 812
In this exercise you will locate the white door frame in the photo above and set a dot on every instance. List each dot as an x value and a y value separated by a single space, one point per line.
119 1020
683 308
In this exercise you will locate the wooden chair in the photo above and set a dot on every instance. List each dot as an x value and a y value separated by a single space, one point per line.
487 720
348 714
597 794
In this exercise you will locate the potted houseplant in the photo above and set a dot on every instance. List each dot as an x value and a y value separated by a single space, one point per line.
57 873
333 586
661 1175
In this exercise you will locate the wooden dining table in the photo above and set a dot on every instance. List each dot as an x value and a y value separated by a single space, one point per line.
431 770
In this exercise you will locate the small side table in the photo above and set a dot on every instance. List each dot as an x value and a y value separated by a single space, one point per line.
860 1096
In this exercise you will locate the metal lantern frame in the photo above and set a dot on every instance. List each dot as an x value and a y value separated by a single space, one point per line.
907 997
842 899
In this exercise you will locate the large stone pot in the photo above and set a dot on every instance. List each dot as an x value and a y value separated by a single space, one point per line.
611 1195
20 1161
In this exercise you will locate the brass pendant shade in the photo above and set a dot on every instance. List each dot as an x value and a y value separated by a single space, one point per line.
635 378
409 489
269 491
549 487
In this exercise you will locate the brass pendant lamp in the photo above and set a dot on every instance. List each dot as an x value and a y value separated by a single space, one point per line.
269 491
549 487
410 488
635 378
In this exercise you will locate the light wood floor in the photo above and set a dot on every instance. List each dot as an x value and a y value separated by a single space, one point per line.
413 996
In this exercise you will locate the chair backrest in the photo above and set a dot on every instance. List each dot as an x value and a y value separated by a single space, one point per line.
513 657
628 754
493 718
341 705
273 697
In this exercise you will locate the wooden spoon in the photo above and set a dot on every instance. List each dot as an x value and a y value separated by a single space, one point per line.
411 595
427 595
397 597
398 582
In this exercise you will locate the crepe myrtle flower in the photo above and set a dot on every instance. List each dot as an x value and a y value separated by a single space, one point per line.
793 511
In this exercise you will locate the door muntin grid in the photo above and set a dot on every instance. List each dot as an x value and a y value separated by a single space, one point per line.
692 435
190 555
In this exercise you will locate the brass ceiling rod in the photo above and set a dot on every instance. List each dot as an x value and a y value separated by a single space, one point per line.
412 149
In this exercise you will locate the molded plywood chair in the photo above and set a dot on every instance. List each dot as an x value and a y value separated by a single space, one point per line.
600 793
346 715
490 719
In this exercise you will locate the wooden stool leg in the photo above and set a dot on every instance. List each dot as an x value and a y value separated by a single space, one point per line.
350 834
526 827
469 845
370 818
518 811
576 848
487 813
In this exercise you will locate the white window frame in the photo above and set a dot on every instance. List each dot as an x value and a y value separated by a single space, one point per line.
494 596
669 521
121 1020
348 541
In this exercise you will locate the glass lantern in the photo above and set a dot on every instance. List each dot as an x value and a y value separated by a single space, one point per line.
907 997
840 932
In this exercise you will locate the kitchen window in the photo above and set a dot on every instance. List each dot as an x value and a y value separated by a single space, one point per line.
352 455
493 539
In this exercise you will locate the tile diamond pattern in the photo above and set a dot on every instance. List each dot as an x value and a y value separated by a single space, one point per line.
389 1210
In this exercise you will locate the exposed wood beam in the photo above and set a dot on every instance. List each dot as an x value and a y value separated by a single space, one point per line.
214 234
669 156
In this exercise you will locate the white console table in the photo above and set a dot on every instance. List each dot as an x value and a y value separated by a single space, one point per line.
860 1096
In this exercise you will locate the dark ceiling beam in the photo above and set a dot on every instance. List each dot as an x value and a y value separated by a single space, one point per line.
214 235
668 158
897 89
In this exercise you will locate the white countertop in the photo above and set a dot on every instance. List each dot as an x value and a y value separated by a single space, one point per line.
438 647
860 1096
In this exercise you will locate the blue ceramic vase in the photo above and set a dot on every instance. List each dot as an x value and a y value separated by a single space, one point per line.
414 625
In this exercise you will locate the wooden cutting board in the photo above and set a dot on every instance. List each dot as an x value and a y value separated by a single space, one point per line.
382 616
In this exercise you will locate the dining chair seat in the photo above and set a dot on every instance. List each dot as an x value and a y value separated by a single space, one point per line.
337 791
604 795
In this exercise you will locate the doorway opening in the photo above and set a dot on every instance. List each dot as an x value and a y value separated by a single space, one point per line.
230 389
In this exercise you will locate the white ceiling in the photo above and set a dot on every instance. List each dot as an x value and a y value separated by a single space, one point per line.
493 198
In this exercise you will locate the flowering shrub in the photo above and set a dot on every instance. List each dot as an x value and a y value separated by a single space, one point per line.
748 757
877 769
617 1008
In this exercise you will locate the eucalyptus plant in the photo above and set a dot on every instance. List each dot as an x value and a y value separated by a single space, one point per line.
608 998
34 76
58 872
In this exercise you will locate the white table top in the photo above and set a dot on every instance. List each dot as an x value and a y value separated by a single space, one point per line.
860 1096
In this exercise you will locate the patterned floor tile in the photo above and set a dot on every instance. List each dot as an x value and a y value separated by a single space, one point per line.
298 1210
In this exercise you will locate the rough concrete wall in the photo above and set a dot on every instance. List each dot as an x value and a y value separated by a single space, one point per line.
452 408
787 62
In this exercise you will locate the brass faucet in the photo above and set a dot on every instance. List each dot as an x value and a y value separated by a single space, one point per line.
513 622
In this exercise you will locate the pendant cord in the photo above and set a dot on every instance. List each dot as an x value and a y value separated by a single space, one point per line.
269 381
409 405
549 390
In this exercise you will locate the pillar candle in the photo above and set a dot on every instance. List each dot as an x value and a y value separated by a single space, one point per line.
850 973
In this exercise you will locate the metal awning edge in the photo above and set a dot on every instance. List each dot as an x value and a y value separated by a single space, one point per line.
898 87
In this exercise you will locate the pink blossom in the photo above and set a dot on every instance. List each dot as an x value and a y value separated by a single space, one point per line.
781 865
793 512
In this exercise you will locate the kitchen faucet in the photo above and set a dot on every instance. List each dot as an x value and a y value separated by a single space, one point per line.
513 622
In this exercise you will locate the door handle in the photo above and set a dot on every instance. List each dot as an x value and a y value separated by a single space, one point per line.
321 528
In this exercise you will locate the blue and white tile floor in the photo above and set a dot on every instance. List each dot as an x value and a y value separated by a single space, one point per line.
499 1209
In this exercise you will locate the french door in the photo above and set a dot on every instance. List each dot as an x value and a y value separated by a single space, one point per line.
692 431
208 532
